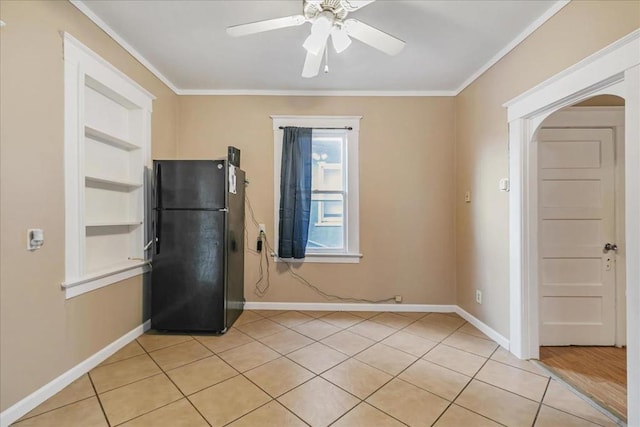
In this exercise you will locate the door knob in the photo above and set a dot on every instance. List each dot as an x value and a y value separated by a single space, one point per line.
610 247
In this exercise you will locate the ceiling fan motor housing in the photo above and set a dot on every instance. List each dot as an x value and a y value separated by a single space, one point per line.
339 8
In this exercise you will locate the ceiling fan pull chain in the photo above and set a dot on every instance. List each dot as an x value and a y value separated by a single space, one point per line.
326 58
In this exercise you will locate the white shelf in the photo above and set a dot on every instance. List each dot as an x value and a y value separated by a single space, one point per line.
109 139
114 224
127 185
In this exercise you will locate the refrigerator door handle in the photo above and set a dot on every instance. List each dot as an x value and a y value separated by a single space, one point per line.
158 186
158 206
157 230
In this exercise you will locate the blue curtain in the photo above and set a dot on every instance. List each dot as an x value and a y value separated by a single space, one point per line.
295 192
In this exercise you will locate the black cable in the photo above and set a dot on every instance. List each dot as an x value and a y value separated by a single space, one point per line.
267 247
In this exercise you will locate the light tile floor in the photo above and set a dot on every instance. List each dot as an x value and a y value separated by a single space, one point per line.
347 369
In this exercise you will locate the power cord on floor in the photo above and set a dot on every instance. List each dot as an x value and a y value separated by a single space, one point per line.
261 290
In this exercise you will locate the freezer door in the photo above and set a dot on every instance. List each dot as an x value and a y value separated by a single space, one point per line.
190 184
187 279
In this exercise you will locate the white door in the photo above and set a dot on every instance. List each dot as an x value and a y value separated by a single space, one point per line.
576 214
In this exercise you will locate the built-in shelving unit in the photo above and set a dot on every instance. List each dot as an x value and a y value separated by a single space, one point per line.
107 139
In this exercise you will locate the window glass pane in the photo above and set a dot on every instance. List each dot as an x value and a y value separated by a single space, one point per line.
326 225
327 163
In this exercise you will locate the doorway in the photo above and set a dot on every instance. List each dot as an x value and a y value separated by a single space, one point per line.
580 152
614 70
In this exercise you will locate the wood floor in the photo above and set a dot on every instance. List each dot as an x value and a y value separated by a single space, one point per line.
598 372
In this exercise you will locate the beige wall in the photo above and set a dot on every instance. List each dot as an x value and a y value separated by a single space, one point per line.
42 334
406 187
578 30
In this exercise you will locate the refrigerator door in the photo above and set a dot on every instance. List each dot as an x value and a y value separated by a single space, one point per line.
190 184
235 250
188 292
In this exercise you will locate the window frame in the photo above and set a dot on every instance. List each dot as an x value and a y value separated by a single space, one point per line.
351 252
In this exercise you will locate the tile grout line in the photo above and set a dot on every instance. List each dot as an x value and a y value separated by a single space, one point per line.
348 357
161 348
315 375
540 403
174 384
22 419
464 388
99 400
373 367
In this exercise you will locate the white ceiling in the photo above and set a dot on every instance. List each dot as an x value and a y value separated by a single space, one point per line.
448 43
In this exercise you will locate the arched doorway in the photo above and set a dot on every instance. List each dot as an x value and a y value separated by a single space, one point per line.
615 70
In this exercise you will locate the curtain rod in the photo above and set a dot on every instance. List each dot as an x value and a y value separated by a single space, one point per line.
346 127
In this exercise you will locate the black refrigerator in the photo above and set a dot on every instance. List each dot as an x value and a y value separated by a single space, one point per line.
197 276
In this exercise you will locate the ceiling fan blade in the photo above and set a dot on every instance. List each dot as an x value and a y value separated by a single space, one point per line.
373 37
340 39
320 30
267 25
311 65
352 5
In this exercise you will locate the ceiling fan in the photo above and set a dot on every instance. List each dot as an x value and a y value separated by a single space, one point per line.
327 18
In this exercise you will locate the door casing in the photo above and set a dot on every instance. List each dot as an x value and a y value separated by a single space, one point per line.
614 70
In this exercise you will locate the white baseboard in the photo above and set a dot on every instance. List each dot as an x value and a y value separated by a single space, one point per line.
27 404
488 331
327 306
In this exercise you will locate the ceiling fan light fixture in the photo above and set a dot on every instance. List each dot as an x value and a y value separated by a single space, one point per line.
320 30
340 39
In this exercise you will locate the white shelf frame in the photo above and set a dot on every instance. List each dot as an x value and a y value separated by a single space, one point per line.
105 137
85 69
114 224
112 182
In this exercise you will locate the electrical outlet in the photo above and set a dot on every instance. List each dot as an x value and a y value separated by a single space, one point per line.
398 298
262 228
478 296
467 196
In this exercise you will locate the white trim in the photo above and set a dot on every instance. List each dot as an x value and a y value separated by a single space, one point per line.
84 55
84 68
322 258
88 284
82 7
483 327
30 402
329 306
602 68
256 92
555 8
318 121
612 70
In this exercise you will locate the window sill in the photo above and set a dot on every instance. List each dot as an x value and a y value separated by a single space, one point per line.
102 278
350 258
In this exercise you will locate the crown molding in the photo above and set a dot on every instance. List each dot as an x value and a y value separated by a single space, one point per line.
82 7
513 43
253 92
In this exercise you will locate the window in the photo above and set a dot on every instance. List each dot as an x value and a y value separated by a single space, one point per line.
107 139
333 226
